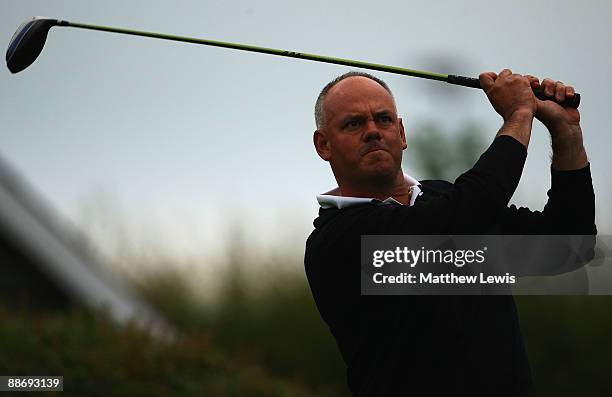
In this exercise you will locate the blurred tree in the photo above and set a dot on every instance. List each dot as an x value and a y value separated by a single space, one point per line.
437 155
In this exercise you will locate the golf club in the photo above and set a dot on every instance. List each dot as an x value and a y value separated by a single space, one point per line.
29 40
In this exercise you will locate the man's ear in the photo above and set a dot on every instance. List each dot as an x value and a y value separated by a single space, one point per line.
402 133
321 145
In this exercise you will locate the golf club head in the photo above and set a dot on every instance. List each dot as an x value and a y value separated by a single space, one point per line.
27 43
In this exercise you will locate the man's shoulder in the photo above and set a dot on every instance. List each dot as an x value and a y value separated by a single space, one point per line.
435 186
345 218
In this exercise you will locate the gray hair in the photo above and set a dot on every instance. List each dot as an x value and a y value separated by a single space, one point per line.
319 115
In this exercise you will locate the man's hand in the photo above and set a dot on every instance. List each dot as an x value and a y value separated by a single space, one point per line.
554 116
512 97
509 93
563 123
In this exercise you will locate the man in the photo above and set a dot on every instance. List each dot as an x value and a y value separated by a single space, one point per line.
434 345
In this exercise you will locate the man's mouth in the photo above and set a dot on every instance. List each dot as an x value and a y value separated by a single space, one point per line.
373 149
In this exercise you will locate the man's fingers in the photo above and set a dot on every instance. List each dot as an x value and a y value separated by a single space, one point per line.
560 92
557 89
505 73
549 87
487 80
533 81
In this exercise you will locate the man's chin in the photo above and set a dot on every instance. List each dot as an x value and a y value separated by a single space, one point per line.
379 164
380 171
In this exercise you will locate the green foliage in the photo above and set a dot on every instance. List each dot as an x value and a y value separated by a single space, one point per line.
568 343
264 316
440 156
98 358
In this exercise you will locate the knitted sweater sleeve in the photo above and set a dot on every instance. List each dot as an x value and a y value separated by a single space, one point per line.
570 208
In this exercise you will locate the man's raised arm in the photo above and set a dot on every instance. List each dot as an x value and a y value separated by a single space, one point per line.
571 200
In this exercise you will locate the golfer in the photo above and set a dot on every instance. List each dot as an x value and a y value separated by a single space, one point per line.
434 345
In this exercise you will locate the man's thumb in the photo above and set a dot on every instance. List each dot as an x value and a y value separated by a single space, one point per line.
487 80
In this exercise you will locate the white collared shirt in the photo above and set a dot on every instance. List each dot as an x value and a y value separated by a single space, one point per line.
332 199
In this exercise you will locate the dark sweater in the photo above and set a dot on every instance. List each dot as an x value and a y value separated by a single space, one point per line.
438 345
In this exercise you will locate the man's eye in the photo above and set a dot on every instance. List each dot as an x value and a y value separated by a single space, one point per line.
352 124
386 120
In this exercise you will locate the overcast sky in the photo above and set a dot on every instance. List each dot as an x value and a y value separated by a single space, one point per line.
177 140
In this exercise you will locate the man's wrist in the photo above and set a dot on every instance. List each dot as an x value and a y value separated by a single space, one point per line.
518 126
565 134
520 116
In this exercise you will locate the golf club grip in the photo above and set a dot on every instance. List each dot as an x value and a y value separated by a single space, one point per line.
573 102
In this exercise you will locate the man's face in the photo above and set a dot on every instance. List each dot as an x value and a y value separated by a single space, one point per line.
362 137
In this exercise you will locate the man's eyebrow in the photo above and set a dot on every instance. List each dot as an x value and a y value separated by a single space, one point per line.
360 116
352 116
384 112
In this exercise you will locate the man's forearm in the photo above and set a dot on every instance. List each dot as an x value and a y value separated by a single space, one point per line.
568 150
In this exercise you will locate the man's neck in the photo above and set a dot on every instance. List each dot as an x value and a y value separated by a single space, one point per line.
381 189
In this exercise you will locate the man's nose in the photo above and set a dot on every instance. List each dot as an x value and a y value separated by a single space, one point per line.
371 131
